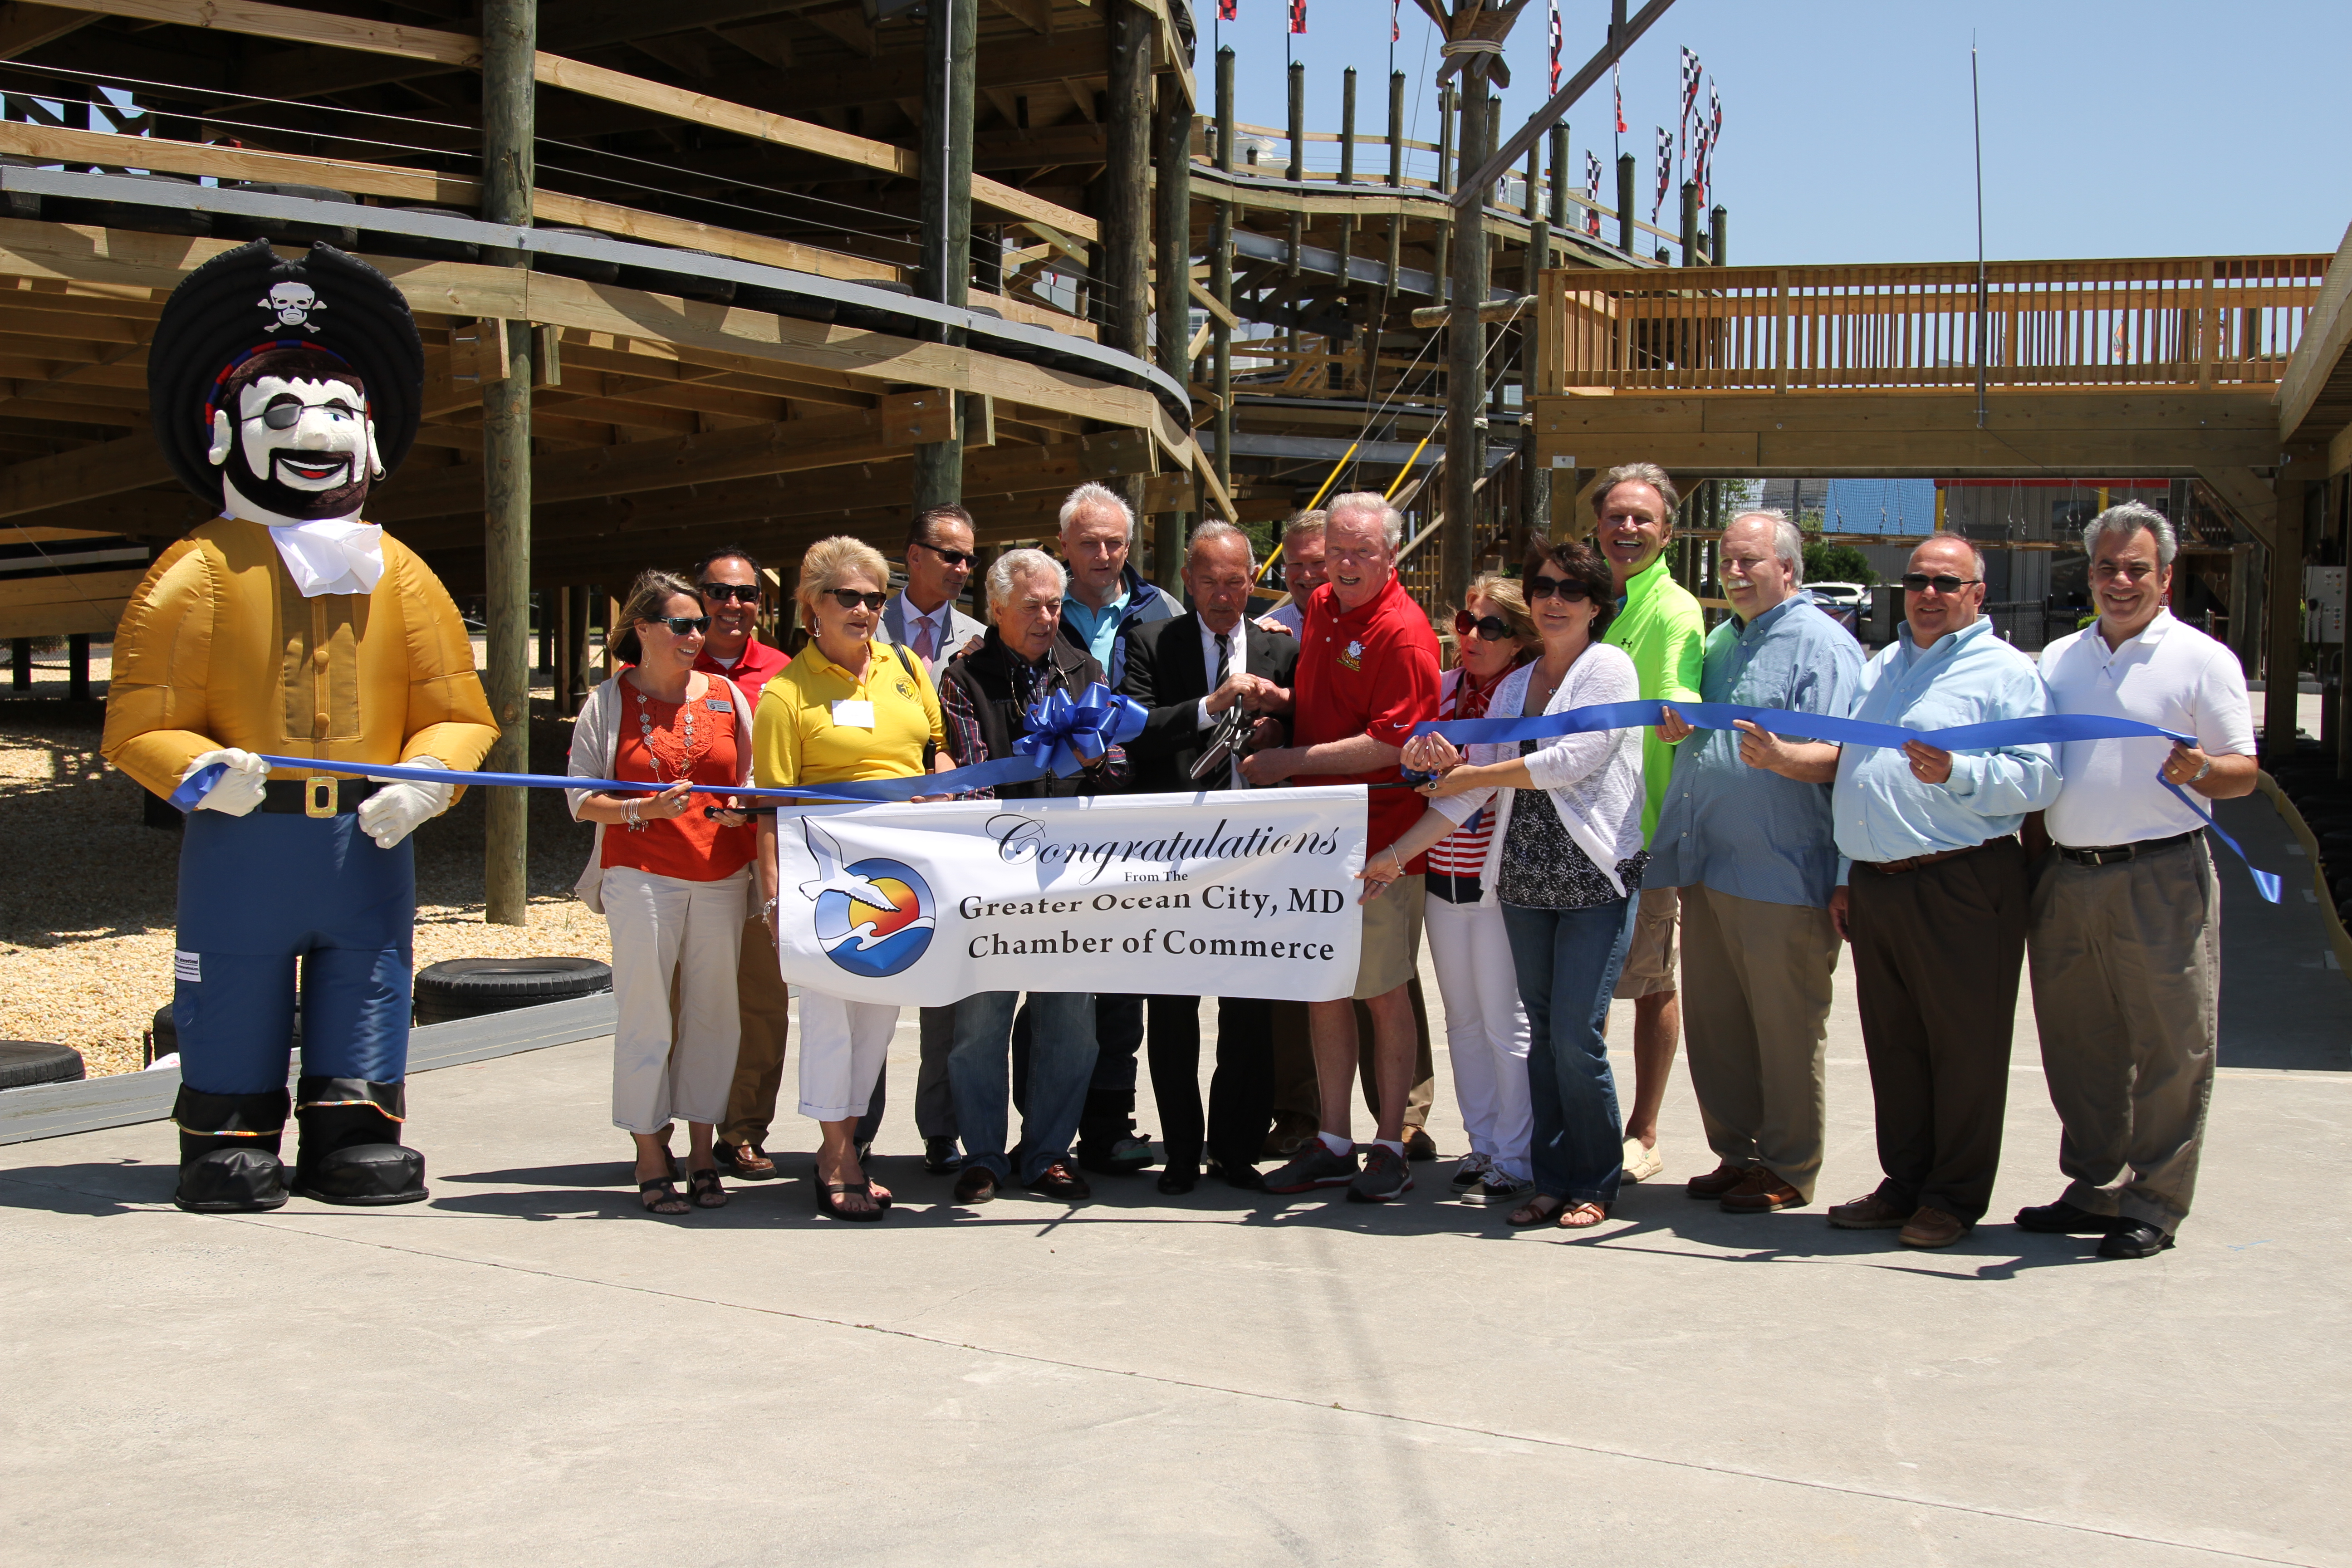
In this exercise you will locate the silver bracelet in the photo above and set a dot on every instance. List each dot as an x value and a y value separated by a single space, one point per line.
2199 776
629 810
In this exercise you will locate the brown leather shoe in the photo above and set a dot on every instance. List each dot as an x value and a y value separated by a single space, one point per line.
1717 1181
1934 1228
745 1162
1762 1193
1869 1212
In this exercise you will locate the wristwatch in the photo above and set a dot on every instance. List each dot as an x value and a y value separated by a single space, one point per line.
2199 776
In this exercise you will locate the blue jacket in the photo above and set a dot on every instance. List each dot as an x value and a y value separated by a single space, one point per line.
1145 603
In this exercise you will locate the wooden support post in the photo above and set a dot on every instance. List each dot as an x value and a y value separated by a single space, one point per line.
509 56
1396 179
1296 169
1690 224
77 667
1442 239
2282 660
1558 190
1625 203
1715 249
1347 169
1221 278
1466 343
951 40
20 664
1534 259
1126 205
575 665
1172 244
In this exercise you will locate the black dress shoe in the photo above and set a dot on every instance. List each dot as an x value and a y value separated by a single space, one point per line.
940 1156
2063 1218
2132 1239
1058 1182
977 1184
1177 1181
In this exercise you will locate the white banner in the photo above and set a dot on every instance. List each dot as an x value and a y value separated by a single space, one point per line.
1223 894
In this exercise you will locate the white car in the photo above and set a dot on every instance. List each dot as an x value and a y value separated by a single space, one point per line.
1839 595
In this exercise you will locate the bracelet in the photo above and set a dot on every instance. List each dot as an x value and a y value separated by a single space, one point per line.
768 909
629 811
2199 776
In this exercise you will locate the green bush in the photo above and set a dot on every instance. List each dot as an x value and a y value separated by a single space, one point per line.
1838 563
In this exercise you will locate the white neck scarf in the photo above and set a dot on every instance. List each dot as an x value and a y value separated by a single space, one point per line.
336 555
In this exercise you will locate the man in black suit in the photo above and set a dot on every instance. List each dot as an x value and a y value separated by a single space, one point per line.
1189 672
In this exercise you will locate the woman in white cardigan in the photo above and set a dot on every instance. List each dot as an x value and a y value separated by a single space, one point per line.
1565 859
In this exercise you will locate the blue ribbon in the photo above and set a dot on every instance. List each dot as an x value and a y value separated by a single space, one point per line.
2048 729
1063 734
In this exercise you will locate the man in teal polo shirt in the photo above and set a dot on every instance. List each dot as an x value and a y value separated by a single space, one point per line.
1659 627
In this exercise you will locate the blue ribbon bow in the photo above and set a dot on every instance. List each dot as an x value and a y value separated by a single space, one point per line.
1067 734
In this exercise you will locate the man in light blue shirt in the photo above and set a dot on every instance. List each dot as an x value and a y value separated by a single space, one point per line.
1934 898
1745 834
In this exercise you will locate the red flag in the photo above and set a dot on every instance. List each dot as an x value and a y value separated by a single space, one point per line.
1299 15
1618 85
1226 9
1555 45
1395 32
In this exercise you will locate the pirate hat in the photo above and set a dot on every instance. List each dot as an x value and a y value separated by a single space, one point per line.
247 300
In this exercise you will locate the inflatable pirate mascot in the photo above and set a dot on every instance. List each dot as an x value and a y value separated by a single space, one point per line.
279 391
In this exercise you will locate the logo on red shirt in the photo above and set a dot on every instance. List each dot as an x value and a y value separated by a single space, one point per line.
1352 656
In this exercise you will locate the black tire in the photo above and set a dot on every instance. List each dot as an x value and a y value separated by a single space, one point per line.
470 987
24 1063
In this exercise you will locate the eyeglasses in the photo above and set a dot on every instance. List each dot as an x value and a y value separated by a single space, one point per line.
1570 591
683 626
952 557
1919 583
286 415
850 598
720 593
1493 628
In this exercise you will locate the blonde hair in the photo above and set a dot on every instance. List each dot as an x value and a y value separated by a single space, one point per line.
647 595
1508 601
828 561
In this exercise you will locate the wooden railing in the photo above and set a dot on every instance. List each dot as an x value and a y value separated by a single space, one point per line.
2211 322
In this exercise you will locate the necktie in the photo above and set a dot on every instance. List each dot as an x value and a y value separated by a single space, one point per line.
926 645
1224 655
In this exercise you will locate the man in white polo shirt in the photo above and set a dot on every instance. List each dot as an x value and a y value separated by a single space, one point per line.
2123 932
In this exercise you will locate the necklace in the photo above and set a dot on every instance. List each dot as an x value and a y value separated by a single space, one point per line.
678 747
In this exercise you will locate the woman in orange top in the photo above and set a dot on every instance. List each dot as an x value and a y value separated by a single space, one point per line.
670 879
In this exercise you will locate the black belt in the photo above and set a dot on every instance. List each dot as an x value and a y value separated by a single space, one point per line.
2107 854
1896 867
1454 889
296 796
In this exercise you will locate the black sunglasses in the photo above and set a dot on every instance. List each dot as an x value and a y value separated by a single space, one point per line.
682 625
850 598
1492 628
1919 583
741 593
1569 590
952 557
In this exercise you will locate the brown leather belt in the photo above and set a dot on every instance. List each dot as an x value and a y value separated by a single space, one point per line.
1896 867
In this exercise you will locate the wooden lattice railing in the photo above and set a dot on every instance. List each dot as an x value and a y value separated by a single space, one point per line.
2204 322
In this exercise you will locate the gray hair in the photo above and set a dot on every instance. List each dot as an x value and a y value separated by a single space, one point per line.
1304 523
1648 474
1015 564
1788 543
1086 498
1392 519
1946 536
2127 519
1215 531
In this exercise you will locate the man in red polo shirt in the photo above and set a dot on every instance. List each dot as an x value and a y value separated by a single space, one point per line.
729 582
1367 675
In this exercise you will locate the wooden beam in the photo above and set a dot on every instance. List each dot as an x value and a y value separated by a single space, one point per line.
2247 497
25 27
86 473
2327 333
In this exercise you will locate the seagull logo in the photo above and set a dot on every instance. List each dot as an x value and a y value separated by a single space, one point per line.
873 917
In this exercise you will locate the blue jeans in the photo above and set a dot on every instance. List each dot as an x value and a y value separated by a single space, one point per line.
1061 1060
1567 962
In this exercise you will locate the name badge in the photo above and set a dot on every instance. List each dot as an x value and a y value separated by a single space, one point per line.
853 715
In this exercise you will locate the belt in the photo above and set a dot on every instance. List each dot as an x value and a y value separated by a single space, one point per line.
1896 867
318 795
2107 854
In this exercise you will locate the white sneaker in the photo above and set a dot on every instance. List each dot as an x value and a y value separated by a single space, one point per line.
1642 1164
1472 1170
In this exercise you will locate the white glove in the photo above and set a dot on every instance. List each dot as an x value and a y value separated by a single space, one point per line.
403 806
235 791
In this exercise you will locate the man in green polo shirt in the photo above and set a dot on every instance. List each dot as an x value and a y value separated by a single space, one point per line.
1659 627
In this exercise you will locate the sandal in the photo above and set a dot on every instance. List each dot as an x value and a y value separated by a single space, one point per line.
659 1196
1532 1212
1582 1216
704 1185
829 1193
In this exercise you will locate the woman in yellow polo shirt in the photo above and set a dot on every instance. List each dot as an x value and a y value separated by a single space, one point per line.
845 709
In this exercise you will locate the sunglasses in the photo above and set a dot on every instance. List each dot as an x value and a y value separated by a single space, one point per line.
850 598
683 626
1492 628
1919 583
286 415
952 557
720 593
1569 592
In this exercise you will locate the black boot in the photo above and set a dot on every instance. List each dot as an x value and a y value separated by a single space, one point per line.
350 1151
228 1150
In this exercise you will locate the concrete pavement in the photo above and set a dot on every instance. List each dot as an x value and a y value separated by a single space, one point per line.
525 1367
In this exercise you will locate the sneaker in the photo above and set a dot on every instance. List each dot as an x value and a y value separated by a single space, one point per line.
1315 1166
1500 1190
940 1156
1642 1164
1469 1172
1385 1177
1124 1158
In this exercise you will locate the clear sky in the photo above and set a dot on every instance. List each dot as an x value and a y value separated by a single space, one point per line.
2111 127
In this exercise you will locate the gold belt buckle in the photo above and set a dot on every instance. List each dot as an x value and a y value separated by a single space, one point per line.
319 795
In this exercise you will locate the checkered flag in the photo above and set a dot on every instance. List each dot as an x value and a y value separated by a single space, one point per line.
1592 191
1395 32
1227 10
1555 45
1617 85
1299 15
1692 75
1665 172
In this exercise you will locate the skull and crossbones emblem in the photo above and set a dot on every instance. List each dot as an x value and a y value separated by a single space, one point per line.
293 304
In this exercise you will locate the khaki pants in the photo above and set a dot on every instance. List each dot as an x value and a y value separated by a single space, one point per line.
764 1005
1649 959
1755 1003
668 932
2126 964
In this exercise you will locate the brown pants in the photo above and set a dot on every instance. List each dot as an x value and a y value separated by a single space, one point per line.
2126 964
1295 1090
764 1002
1937 955
1755 1003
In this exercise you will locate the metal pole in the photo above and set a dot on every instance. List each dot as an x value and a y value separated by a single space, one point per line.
509 53
950 36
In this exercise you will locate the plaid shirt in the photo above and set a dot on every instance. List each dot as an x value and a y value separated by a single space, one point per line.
968 744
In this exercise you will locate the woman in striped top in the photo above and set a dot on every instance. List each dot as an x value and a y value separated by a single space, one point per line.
1486 1026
